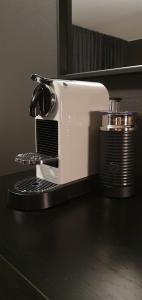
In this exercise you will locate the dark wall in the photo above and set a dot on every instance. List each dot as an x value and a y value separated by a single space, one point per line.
135 52
28 44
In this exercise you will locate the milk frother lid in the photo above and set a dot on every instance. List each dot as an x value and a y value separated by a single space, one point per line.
117 120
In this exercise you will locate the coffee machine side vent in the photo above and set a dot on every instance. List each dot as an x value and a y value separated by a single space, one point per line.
47 137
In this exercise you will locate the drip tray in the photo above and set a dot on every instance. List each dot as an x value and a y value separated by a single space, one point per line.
33 193
34 185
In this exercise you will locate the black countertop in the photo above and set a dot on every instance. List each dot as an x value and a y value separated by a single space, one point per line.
88 249
14 286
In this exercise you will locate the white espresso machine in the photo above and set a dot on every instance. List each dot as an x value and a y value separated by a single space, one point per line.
67 115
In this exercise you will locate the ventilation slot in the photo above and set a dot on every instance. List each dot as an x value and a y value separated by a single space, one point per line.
47 137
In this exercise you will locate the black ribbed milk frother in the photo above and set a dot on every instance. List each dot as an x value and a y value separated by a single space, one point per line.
117 151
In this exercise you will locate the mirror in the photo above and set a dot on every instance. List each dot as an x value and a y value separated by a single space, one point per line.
105 34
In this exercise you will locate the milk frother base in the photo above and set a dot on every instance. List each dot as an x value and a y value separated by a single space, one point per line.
117 163
117 192
34 193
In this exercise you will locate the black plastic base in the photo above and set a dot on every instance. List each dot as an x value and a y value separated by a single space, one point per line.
30 201
119 192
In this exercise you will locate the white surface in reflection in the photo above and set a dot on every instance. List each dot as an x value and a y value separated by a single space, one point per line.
122 19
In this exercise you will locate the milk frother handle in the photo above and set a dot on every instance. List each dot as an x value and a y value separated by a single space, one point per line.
114 104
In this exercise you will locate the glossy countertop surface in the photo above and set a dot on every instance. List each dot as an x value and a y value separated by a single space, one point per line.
89 248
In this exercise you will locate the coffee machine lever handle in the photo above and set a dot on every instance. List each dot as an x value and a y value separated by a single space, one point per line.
40 79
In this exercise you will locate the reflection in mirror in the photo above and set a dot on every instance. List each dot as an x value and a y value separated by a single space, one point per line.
106 34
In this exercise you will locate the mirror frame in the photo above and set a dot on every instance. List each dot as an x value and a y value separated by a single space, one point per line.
64 42
64 51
